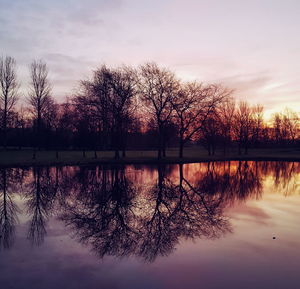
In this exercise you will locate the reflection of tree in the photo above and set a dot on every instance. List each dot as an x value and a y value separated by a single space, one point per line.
104 213
8 210
230 184
115 215
240 184
178 211
158 230
283 173
41 194
101 212
207 206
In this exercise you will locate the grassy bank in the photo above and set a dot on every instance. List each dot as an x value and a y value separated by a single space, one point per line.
15 158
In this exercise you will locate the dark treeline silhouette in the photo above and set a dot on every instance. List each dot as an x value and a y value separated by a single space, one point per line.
145 213
135 108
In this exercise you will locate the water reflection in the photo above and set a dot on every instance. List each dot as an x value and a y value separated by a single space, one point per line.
8 208
112 216
40 195
135 211
99 209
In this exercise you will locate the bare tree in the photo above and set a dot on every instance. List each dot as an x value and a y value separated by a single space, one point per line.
291 123
39 95
193 105
258 119
109 97
158 87
285 127
225 115
8 91
243 126
20 125
277 128
92 104
210 132
122 105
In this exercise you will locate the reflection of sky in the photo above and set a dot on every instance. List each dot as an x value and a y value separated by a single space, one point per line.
249 45
247 258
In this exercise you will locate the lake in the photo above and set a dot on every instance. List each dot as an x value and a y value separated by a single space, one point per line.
203 225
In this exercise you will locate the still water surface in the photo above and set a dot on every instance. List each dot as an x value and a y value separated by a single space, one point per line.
206 225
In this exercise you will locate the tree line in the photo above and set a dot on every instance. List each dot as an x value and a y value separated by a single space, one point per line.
121 108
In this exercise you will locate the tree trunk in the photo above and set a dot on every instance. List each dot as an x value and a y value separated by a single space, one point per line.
163 145
39 129
246 149
5 126
124 142
164 151
181 149
224 148
159 146
159 153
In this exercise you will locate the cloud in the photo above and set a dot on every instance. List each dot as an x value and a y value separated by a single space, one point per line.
257 59
247 85
66 71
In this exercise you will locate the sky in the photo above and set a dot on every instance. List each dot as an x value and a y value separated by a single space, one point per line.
250 46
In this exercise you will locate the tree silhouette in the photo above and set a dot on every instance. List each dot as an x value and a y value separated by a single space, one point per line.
124 108
39 95
193 105
8 91
158 87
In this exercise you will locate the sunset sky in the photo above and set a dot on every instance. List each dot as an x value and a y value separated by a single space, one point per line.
252 46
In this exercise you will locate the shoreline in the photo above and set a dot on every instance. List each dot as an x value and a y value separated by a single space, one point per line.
75 158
